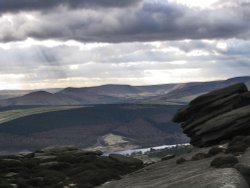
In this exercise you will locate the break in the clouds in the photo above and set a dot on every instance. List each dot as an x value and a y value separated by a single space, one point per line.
91 42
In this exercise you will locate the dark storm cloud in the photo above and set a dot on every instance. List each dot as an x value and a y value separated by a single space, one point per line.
148 21
30 5
170 21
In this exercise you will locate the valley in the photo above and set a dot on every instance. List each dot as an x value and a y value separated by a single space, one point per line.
105 127
108 118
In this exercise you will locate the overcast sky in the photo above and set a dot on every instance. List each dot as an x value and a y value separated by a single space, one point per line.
77 43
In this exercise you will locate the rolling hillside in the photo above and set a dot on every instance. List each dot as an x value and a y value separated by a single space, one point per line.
106 94
7 94
13 113
130 126
173 94
40 98
186 92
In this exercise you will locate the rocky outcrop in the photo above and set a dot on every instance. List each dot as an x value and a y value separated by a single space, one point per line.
217 116
209 167
190 173
63 166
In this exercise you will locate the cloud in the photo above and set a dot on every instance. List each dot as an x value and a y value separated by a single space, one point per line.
157 20
72 64
77 43
41 5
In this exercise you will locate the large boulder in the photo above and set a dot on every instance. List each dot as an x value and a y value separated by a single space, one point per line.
217 116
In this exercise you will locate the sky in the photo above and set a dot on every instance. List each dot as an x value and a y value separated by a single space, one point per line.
78 43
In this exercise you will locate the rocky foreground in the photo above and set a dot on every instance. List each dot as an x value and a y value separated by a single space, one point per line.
63 167
218 124
203 168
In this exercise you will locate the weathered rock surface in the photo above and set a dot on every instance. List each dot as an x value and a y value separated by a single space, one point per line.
244 165
63 166
217 116
167 157
195 174
130 162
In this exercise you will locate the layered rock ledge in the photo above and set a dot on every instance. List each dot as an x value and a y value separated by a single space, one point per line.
217 116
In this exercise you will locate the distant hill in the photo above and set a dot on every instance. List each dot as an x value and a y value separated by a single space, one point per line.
188 91
114 90
179 93
107 127
106 94
103 90
6 94
40 98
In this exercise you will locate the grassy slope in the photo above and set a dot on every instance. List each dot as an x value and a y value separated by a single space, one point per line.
99 114
144 124
10 115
